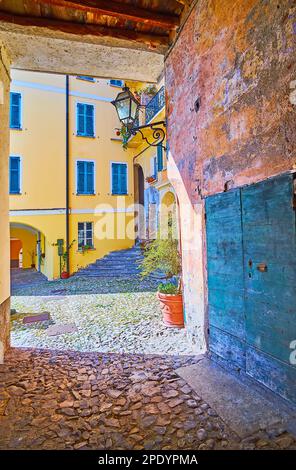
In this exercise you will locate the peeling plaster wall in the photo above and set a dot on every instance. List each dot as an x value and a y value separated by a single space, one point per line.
231 81
4 221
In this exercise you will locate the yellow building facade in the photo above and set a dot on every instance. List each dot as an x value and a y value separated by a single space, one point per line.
98 193
153 189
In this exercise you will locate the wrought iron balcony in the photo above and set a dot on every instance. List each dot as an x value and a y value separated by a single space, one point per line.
155 104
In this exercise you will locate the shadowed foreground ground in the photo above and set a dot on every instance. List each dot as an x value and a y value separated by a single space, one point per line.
71 400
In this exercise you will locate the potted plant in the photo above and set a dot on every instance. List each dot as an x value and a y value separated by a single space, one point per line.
150 179
85 248
65 274
124 134
164 254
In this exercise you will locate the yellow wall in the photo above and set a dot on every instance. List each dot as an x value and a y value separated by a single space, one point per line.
41 146
4 217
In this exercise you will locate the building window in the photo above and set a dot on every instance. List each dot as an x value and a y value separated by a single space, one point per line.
117 83
85 177
14 175
119 178
153 166
159 158
85 234
86 78
15 110
85 120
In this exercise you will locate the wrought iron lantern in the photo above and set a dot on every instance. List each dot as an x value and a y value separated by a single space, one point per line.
128 108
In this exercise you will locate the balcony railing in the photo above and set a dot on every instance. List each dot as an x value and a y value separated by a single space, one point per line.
155 104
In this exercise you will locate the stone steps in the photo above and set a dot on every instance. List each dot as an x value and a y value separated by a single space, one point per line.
123 264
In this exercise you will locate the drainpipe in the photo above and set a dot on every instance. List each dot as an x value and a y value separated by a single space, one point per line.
67 174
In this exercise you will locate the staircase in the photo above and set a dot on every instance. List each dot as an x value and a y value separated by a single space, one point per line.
117 264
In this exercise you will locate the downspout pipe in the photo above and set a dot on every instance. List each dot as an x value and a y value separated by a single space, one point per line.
67 176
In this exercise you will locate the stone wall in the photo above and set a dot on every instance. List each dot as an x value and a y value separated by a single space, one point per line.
4 221
231 80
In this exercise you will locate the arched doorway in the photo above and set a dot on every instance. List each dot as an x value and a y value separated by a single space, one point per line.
139 203
168 215
25 246
16 251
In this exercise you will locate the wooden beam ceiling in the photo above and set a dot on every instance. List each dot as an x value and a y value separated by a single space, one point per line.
122 11
83 29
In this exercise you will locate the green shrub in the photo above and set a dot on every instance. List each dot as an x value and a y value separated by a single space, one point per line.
162 254
168 288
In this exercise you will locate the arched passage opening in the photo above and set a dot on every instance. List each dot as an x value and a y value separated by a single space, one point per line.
16 253
27 247
168 214
139 203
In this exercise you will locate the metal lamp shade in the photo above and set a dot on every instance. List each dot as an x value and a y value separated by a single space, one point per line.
127 107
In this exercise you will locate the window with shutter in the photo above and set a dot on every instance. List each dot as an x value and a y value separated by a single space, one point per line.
117 83
119 178
85 120
159 158
14 175
155 167
85 177
15 111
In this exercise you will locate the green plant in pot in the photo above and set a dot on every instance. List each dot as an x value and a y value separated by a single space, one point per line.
164 254
85 248
65 274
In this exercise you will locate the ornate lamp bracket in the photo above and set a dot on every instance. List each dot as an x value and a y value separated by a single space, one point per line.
158 133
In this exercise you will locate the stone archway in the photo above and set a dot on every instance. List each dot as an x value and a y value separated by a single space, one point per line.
32 243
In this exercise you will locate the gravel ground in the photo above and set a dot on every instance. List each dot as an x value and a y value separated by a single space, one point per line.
127 320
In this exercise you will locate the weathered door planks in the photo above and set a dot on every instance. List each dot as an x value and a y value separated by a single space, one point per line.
270 296
225 277
251 247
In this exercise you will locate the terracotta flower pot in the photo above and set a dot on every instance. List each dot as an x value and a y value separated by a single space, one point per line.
172 309
150 179
65 275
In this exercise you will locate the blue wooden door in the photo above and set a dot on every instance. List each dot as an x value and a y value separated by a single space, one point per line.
225 278
251 250
269 241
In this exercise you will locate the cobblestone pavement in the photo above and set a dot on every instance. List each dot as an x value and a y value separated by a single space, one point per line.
110 315
60 400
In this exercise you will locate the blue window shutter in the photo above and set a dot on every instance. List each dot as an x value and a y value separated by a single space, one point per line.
80 177
123 179
90 177
115 178
155 167
14 175
159 158
89 117
80 119
15 110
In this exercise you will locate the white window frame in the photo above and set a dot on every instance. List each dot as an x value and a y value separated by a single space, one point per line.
127 178
84 233
21 112
76 176
21 176
76 120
